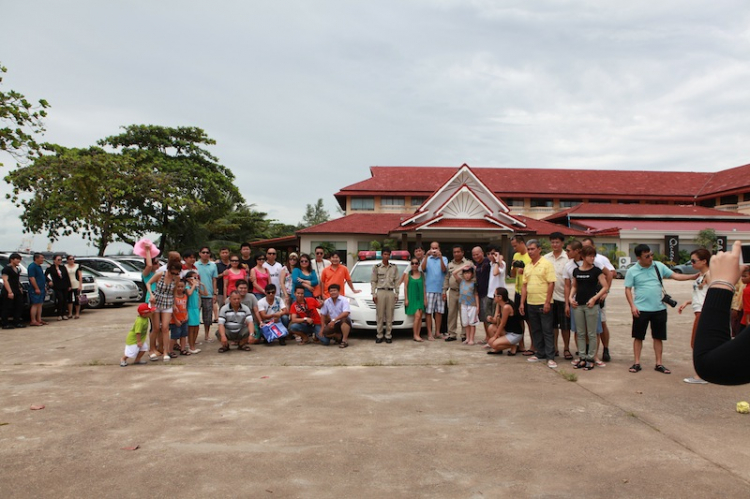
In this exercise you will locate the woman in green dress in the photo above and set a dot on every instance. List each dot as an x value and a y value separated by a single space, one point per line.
414 297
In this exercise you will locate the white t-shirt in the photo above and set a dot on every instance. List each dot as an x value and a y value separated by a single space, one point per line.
270 308
319 266
274 271
496 281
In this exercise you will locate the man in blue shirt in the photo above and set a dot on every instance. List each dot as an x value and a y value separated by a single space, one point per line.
38 290
435 268
208 274
643 290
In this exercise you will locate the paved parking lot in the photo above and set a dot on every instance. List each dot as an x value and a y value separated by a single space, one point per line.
402 420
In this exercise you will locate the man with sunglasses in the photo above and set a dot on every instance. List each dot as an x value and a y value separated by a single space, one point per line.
644 292
319 265
209 275
274 271
271 308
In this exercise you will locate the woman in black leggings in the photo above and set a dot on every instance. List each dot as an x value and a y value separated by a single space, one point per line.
717 358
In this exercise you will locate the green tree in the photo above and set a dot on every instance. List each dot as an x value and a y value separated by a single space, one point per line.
314 215
87 191
707 239
186 180
20 121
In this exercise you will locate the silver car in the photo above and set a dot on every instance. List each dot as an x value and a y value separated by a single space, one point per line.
115 268
110 290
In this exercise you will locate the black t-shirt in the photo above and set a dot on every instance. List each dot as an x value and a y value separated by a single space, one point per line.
587 283
13 280
248 264
220 268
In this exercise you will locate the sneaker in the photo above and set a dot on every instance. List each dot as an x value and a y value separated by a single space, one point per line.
167 358
533 358
552 364
695 381
605 355
123 363
142 362
192 352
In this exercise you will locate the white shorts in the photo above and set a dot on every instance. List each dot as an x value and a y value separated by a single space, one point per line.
469 315
603 314
132 350
514 338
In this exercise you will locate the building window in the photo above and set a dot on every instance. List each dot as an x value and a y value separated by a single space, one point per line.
514 202
627 201
417 200
728 200
746 196
384 201
541 203
569 203
708 203
367 204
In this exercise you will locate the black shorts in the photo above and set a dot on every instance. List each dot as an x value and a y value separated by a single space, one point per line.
658 321
559 319
517 301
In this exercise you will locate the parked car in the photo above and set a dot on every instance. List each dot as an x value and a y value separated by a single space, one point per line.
135 261
685 268
363 310
110 290
620 273
115 268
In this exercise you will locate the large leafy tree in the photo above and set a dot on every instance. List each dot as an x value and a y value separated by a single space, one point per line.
91 192
20 121
187 179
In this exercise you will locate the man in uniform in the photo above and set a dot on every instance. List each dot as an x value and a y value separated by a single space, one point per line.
450 290
384 284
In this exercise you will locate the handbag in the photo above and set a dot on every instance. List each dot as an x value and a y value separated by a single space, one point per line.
83 300
273 331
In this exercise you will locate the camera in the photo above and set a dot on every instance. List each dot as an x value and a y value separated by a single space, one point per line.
669 301
518 264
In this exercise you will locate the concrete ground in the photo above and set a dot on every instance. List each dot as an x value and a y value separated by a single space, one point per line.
433 419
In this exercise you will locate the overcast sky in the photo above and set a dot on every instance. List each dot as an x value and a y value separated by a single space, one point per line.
303 97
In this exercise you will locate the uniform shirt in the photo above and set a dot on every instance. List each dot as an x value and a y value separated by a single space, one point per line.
450 281
384 277
559 263
525 258
208 272
646 286
339 276
536 277
434 275
234 320
334 309
307 309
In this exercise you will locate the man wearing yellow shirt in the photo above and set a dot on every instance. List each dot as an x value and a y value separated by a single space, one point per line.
536 301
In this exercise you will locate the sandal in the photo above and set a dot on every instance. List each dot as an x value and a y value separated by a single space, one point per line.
185 352
568 355
495 352
245 348
172 354
589 366
662 369
224 348
344 344
528 353
635 368
511 354
581 364
599 363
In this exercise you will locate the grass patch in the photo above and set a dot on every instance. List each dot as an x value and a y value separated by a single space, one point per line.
631 414
375 363
96 362
451 362
569 376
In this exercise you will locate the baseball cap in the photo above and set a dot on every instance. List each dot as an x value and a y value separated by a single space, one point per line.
144 308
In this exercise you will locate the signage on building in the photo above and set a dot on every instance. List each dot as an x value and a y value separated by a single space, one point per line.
721 243
672 248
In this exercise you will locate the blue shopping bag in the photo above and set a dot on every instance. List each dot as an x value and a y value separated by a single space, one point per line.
273 331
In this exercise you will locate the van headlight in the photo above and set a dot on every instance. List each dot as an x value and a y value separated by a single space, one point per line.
352 302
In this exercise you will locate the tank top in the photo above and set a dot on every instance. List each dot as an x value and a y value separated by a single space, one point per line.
164 293
699 293
261 278
513 324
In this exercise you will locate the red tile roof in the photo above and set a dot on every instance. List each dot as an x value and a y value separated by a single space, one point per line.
727 181
560 183
641 211
666 226
265 243
358 223
544 228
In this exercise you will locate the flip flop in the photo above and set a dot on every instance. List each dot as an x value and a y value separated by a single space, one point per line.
528 353
662 369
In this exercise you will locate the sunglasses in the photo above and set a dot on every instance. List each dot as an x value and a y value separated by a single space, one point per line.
270 292
304 261
234 261
269 253
694 261
318 253
261 259
205 252
415 263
